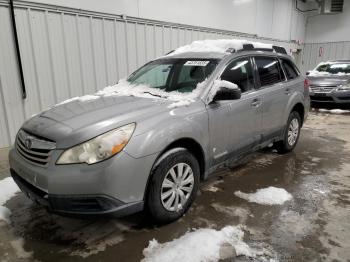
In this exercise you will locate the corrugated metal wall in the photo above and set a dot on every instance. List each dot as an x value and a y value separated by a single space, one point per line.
70 52
315 53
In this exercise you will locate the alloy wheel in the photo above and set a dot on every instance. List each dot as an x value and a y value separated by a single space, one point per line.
177 187
293 131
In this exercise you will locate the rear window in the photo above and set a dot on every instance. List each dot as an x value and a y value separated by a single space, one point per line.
289 69
269 71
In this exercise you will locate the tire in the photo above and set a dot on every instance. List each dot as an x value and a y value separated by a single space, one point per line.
161 209
290 135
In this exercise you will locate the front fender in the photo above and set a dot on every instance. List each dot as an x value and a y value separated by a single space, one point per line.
168 130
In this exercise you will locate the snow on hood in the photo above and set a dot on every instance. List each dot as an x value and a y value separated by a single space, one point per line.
124 88
8 189
217 46
266 196
198 246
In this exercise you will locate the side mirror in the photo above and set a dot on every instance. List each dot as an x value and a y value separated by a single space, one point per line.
225 93
307 73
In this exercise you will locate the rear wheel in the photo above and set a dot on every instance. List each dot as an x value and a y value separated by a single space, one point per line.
291 134
173 186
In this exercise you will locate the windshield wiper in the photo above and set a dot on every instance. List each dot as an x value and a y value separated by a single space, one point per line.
154 94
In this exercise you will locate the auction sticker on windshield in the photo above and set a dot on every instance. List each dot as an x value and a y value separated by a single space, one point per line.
196 63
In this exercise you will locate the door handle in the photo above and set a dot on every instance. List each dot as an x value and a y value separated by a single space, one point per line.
256 103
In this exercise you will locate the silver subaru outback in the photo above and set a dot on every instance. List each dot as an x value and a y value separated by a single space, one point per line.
147 142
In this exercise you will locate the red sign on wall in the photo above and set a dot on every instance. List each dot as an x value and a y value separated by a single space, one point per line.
320 51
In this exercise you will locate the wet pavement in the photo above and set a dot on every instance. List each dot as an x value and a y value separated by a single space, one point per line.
313 226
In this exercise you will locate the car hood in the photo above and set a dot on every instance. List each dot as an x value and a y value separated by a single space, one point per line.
77 121
329 80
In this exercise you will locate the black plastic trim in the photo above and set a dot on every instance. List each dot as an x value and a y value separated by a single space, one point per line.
18 53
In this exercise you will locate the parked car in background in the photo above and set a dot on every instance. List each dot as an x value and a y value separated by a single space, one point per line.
147 142
330 84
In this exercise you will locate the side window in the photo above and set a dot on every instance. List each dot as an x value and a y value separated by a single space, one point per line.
240 73
269 70
289 68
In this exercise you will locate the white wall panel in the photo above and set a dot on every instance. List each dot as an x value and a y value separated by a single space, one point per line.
326 28
70 52
89 79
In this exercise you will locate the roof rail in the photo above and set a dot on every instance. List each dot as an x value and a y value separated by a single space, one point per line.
275 48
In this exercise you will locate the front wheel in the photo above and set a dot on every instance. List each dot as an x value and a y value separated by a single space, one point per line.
291 134
173 186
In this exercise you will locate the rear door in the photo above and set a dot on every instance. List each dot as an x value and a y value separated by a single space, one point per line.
275 95
235 126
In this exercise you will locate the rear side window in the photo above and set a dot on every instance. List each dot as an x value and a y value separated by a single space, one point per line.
269 70
289 69
240 72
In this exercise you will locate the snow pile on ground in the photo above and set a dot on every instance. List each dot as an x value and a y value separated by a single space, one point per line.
8 189
18 246
219 84
201 245
218 46
124 88
266 196
335 111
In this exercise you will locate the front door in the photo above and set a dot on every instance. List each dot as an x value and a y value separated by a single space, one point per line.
235 126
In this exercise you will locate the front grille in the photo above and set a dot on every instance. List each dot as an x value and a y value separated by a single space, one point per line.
323 89
344 98
33 149
322 98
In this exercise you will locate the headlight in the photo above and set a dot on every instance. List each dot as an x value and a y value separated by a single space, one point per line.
344 88
98 148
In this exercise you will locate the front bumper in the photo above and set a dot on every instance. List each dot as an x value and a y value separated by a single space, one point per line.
115 186
336 97
76 205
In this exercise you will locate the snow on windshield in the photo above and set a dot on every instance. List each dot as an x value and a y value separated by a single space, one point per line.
331 68
124 88
217 46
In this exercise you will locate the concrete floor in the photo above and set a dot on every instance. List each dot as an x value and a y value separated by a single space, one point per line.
314 226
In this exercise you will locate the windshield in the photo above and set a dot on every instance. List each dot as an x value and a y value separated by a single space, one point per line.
180 75
334 68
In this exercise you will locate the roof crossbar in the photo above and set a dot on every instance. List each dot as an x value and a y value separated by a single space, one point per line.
279 49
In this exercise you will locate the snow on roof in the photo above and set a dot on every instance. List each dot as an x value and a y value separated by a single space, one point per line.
217 46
